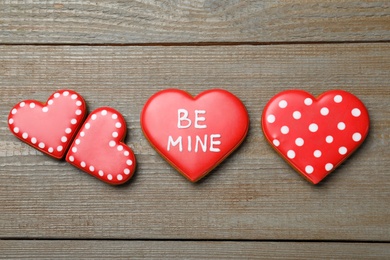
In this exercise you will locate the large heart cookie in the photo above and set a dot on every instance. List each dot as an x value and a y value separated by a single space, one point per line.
315 135
48 127
194 134
98 148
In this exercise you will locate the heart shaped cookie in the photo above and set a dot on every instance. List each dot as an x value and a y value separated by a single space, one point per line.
194 134
315 135
98 148
48 127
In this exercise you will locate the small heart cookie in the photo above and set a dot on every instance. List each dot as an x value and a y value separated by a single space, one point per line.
194 134
315 135
48 127
98 148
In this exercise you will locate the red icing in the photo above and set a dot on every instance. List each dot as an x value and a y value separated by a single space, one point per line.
315 135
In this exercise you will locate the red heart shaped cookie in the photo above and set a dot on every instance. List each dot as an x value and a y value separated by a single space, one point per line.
98 148
194 134
48 127
315 135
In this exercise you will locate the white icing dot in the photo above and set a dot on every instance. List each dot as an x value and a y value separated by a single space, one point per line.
356 137
82 133
317 153
59 148
50 150
33 140
283 104
114 116
297 115
308 101
118 125
329 139
16 130
93 117
342 150
74 149
77 141
119 177
57 95
276 142
91 168
64 139
50 102
11 121
73 121
68 130
341 126
24 135
129 162
32 105
41 145
45 109
356 112
338 98
126 171
74 96
299 141
324 111
109 177
71 158
111 143
271 119
22 104
291 154
14 111
78 112
328 166
78 103
104 112
87 125
313 128
120 148
309 169
126 153
83 164
284 129
66 93
101 173
115 134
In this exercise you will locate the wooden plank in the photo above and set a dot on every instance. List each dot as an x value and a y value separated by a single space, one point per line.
254 194
190 250
145 21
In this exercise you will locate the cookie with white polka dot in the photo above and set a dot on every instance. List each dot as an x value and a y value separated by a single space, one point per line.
98 148
51 126
315 135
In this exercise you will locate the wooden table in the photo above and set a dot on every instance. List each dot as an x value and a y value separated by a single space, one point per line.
254 205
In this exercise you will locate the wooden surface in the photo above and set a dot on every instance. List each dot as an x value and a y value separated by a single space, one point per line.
253 205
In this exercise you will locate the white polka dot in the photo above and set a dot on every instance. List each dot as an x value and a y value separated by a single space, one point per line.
338 98
78 112
126 153
14 111
109 177
297 115
118 125
329 139
271 119
313 128
342 150
276 142
91 168
24 135
291 154
299 141
324 111
309 169
68 130
341 126
111 143
64 139
74 149
284 130
87 125
82 133
73 121
83 164
77 141
78 103
57 95
317 153
126 171
114 116
356 137
101 173
308 101
45 109
22 104
50 102
104 112
356 112
283 104
50 150
33 140
16 130
119 177
115 134
120 148
10 121
74 96
66 93
32 105
71 158
41 145
59 148
129 162
93 117
328 166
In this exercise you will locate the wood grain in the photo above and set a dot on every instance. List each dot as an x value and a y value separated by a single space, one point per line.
190 250
154 21
254 194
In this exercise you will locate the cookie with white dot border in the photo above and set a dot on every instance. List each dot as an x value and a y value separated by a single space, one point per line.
51 126
98 148
315 135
